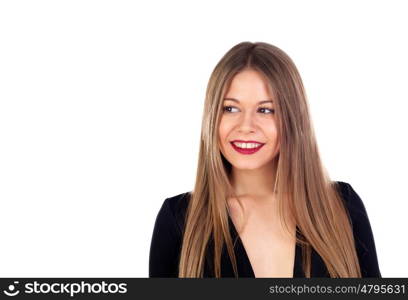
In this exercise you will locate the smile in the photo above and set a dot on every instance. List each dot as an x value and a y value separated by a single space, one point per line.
246 148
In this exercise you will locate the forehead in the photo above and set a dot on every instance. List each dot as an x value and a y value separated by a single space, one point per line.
249 86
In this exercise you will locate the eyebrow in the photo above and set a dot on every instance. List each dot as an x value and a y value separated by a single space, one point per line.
260 102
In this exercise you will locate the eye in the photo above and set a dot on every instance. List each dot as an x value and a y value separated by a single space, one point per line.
226 108
272 111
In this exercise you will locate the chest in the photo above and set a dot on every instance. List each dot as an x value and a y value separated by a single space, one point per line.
268 246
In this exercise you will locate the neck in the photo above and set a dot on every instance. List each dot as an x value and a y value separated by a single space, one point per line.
258 183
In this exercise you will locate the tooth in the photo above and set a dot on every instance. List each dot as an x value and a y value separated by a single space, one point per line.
247 145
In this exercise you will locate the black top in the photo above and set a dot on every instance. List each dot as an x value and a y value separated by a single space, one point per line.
166 241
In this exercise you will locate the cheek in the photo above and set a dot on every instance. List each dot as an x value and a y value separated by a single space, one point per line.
223 131
271 132
223 136
274 139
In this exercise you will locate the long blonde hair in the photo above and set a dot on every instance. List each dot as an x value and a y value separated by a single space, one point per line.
305 191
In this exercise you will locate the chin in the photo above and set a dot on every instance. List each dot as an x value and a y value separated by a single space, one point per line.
246 166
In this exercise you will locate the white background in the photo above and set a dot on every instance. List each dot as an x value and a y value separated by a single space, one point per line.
101 105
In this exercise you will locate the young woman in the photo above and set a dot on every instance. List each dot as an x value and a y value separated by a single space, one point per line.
263 204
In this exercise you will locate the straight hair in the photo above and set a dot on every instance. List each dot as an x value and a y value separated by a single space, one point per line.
304 191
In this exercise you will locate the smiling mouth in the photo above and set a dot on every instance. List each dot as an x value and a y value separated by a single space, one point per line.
247 145
246 149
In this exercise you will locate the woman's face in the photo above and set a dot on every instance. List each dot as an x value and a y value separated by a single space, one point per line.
246 119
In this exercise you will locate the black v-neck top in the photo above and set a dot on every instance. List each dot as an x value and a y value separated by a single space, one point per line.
168 230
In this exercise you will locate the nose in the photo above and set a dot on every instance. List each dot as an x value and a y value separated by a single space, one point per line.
247 122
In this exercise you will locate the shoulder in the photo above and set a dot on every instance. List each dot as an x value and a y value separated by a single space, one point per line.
167 237
362 231
176 207
352 200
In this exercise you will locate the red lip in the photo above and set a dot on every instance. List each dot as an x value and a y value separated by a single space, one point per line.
242 141
246 151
